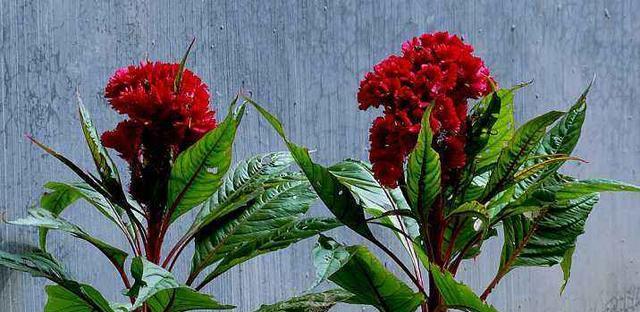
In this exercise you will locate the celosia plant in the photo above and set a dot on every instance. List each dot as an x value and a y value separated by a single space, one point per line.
179 159
446 180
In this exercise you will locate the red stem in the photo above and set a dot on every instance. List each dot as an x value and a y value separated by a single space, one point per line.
507 265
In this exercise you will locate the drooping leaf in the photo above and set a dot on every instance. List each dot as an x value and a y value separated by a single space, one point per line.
316 302
69 294
333 194
120 307
241 185
423 170
457 295
198 171
84 299
104 164
184 299
55 201
62 195
472 208
159 289
365 276
465 223
37 263
276 240
377 200
565 264
328 257
288 198
511 157
44 219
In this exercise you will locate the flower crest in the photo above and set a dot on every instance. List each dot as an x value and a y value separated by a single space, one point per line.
434 68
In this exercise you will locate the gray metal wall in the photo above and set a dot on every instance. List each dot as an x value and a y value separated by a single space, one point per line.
305 59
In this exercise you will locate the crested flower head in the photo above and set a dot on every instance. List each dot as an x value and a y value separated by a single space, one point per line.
436 68
165 116
178 116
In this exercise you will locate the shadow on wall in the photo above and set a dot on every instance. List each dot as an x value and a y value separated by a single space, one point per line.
629 301
5 273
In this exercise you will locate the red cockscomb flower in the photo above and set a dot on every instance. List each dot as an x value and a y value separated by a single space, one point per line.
433 68
163 120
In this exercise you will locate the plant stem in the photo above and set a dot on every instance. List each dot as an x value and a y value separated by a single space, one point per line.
125 281
492 285
504 269
434 294
175 252
408 240
435 239
455 264
457 228
399 263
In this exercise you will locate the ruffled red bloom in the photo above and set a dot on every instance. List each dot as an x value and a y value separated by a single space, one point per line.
433 68
163 119
146 95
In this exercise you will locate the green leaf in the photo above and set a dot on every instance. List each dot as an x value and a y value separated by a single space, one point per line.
55 201
86 177
183 62
501 131
184 299
484 117
562 208
377 200
159 289
423 170
476 187
371 283
69 295
84 299
45 219
572 189
317 302
276 240
457 295
104 164
566 267
37 263
62 195
120 307
539 169
561 139
328 257
198 171
288 198
333 194
242 185
474 209
545 239
516 152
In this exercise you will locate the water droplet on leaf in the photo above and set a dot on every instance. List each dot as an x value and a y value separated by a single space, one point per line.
477 225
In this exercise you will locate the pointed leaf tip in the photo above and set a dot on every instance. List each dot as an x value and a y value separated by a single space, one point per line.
183 62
